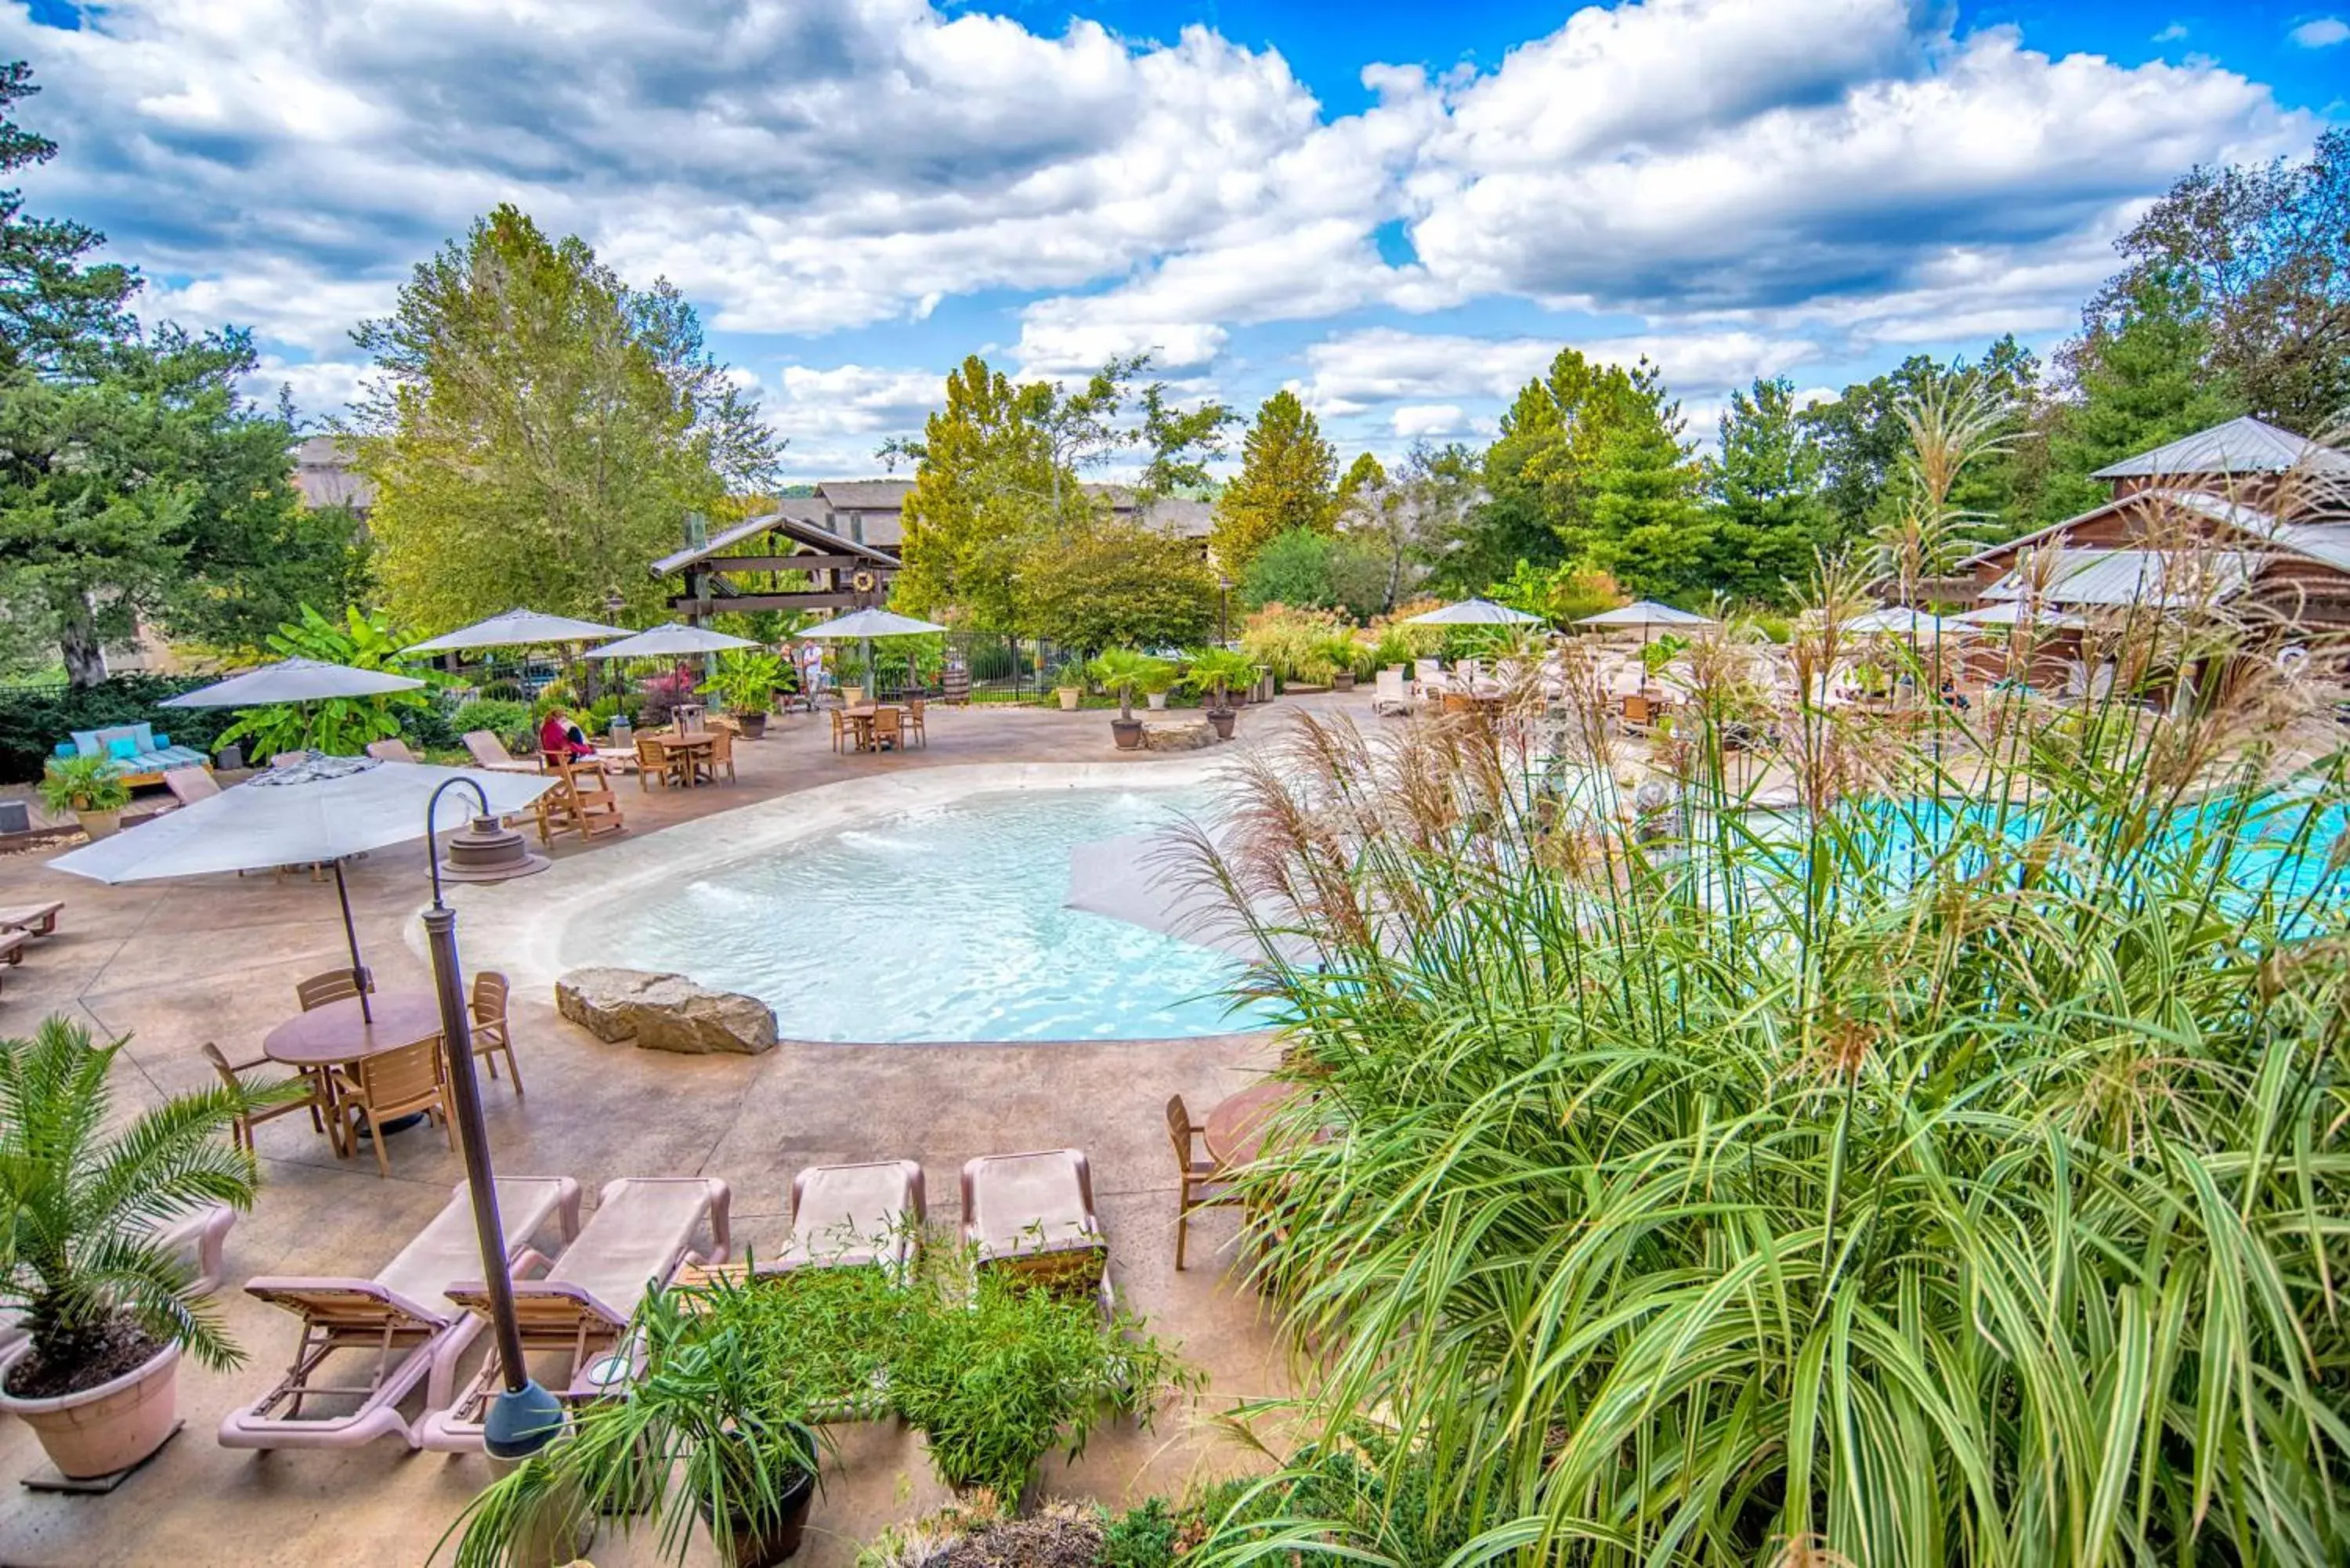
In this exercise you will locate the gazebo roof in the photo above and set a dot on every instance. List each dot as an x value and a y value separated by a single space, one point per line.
2244 445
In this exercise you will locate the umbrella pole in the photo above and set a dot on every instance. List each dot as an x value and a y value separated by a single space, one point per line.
351 935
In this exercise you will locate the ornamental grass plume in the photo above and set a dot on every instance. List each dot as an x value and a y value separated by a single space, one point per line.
1949 1169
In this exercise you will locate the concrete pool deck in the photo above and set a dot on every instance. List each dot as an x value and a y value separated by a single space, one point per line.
173 964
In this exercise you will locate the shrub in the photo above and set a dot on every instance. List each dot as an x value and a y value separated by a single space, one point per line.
509 720
1282 638
656 694
34 718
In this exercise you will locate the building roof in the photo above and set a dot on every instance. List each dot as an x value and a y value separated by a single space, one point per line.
865 494
791 521
2240 516
322 473
2155 577
2244 445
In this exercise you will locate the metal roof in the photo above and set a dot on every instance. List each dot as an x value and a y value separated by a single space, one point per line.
799 530
2237 514
2158 577
2244 445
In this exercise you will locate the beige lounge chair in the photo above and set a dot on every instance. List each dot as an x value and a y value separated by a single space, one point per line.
33 919
189 785
401 1319
1391 693
391 750
851 1216
641 1233
12 946
1034 1214
489 753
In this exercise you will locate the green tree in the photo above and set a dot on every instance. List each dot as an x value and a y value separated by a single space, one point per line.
1114 582
1765 484
2259 255
1284 482
1495 519
986 486
2142 374
540 430
1865 441
50 302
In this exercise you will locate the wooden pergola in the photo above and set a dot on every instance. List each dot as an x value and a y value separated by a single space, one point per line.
725 572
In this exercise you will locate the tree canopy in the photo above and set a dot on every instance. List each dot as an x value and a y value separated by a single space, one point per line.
540 430
1286 482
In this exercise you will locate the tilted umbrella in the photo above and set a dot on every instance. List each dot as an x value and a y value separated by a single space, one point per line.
293 680
1902 620
669 641
319 811
863 625
1473 612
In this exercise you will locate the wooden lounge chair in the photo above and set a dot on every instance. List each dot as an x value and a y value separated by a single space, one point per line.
387 1085
1034 1214
34 919
852 1216
582 802
641 1233
403 1319
493 1032
490 753
1204 1183
241 1133
391 750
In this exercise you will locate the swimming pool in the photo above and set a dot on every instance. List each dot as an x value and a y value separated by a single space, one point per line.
936 920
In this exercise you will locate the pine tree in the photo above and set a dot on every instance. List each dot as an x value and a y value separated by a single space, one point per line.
49 301
1765 483
1284 482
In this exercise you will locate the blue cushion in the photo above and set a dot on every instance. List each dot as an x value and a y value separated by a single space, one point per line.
146 737
159 743
85 743
122 748
66 749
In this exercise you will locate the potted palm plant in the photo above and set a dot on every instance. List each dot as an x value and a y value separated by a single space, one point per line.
89 788
746 681
1069 684
1162 677
1215 674
1120 670
714 1432
106 1306
1342 654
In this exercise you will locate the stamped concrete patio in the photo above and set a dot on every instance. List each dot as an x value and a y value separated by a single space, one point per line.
174 964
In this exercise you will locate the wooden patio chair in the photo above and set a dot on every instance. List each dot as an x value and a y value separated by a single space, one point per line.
493 1032
315 1102
391 750
889 728
390 1084
332 986
652 764
913 730
722 754
840 731
1203 1182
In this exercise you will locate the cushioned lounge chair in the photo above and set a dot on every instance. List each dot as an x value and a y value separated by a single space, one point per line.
489 753
851 1216
139 755
391 750
1034 1214
401 1319
1391 693
641 1233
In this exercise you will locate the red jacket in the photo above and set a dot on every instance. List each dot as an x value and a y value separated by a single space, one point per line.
555 736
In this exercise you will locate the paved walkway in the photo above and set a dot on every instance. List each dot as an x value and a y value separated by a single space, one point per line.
174 964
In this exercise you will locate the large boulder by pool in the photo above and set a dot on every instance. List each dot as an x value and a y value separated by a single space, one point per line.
1178 735
663 1011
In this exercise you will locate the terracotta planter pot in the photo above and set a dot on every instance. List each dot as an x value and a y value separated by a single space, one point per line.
1070 696
1223 719
109 1427
1343 682
753 725
853 695
100 824
1127 734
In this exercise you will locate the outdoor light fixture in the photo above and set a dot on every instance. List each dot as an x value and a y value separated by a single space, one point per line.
486 850
523 1418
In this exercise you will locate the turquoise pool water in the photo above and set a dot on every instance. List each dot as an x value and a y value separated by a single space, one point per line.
941 923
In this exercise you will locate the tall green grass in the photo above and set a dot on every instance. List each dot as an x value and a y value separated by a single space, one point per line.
1949 1168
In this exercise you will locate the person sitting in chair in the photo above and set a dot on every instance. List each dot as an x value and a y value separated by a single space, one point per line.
559 737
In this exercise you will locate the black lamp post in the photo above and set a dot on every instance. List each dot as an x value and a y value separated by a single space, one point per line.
1223 623
523 1418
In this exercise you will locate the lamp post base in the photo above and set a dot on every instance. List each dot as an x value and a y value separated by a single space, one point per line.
520 1421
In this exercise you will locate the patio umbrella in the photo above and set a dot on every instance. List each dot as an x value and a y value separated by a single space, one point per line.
1139 877
669 641
293 680
863 625
1473 612
1902 620
518 628
1646 615
2017 612
321 810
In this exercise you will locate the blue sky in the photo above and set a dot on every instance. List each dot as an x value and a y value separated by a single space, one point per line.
1402 210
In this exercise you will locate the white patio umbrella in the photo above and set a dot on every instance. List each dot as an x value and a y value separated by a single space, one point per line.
669 641
293 680
863 625
1472 612
1141 878
321 810
1902 620
518 628
1646 615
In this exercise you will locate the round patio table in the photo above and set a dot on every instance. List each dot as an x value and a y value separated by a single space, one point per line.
1235 1129
336 1033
